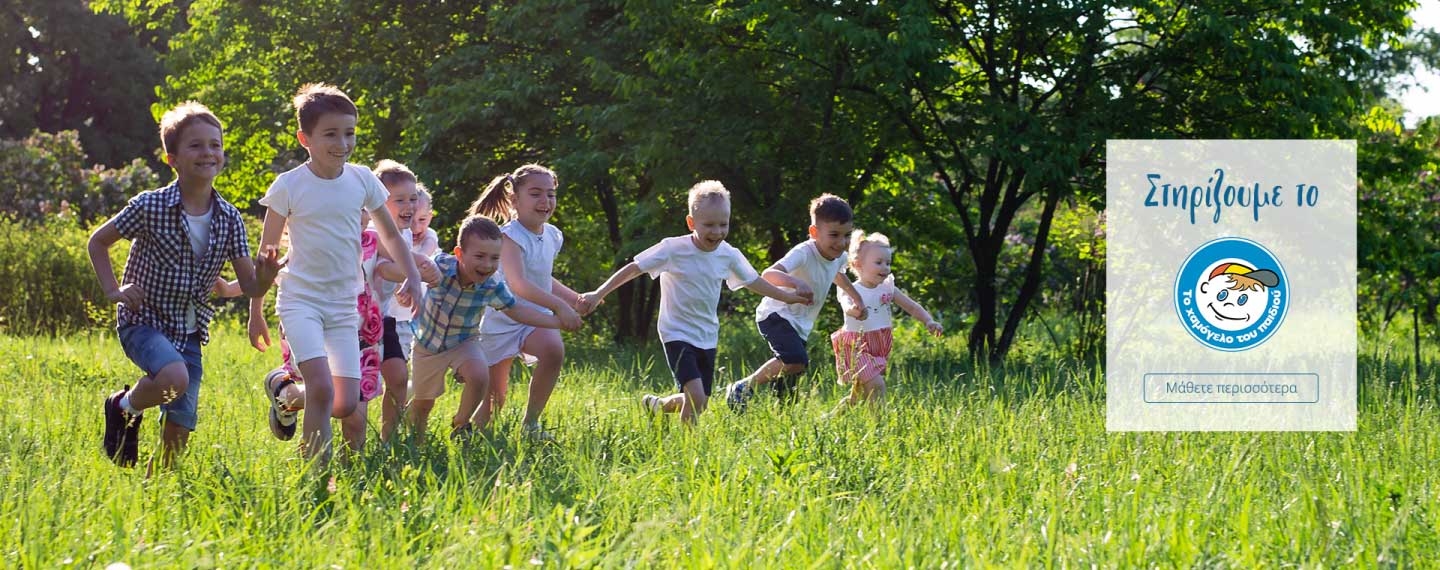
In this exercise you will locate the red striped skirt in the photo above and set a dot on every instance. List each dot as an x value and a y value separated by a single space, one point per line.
861 356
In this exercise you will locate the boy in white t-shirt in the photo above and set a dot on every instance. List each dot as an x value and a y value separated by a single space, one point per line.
690 269
809 268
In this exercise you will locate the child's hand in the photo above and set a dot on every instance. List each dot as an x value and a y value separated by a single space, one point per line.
259 331
408 295
804 291
797 299
268 265
429 272
129 294
934 327
857 312
587 302
569 320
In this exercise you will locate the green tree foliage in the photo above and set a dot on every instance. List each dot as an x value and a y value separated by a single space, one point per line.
47 176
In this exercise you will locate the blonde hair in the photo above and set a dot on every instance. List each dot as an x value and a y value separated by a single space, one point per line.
424 192
390 173
858 241
707 191
498 200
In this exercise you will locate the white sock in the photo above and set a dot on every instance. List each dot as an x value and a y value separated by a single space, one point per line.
125 405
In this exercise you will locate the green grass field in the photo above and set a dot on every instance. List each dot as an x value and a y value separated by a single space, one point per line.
968 467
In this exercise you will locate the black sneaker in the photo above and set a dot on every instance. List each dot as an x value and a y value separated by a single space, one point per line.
785 391
282 419
122 432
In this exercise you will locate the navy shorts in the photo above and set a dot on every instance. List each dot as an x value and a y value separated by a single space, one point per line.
390 342
151 350
784 341
688 363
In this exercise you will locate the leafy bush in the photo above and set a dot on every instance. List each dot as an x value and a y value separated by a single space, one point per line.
46 282
47 176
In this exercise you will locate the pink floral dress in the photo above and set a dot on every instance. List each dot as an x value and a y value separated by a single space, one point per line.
372 327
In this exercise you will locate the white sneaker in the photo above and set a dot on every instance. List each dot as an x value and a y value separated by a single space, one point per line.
651 403
537 434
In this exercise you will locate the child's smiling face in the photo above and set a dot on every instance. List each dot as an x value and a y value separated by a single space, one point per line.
401 203
710 224
200 153
534 199
873 265
832 238
477 260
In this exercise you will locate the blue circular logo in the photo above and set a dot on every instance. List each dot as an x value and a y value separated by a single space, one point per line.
1231 294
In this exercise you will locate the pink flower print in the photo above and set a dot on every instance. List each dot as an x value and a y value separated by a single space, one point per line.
289 360
372 323
370 385
886 298
369 244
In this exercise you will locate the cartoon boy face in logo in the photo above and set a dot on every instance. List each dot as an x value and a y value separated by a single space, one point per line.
1233 296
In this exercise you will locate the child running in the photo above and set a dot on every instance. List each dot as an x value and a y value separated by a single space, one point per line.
691 268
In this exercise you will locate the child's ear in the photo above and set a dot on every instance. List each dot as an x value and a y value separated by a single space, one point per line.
300 136
458 251
690 222
814 232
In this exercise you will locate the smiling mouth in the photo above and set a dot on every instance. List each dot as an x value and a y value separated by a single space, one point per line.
1218 314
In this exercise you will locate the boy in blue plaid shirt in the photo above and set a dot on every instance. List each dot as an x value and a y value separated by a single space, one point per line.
447 329
179 236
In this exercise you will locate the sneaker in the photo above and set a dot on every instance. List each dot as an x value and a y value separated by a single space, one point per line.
282 418
785 389
536 434
737 396
122 431
463 432
651 403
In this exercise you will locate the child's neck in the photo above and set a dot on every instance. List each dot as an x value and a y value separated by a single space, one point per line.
195 195
325 172
871 283
536 228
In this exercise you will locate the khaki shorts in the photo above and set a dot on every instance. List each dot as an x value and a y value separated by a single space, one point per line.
427 375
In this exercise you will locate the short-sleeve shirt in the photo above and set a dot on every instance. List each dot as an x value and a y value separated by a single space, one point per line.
537 254
324 220
164 265
690 286
878 306
805 263
452 312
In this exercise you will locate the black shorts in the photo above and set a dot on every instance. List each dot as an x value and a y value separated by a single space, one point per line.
390 342
784 341
688 363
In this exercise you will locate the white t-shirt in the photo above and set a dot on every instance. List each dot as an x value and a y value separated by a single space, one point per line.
324 220
199 229
427 246
537 253
690 286
805 263
878 305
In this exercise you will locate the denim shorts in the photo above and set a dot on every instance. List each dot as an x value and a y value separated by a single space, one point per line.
151 350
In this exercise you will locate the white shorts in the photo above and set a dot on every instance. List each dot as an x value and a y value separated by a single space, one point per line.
506 344
322 329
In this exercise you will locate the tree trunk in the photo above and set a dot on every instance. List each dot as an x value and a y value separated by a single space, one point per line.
1031 285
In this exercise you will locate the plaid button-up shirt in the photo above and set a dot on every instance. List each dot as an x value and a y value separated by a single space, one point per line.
452 312
162 263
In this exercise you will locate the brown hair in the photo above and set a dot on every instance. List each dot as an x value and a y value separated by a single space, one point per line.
498 199
830 208
183 115
390 172
315 100
477 227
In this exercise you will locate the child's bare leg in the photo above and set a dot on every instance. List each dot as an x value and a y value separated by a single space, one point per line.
767 372
173 438
477 388
396 376
418 415
671 404
499 385
319 395
693 401
167 384
352 427
875 391
549 352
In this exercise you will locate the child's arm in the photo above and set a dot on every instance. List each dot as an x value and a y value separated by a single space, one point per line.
857 309
270 263
409 292
918 312
392 270
532 317
226 289
769 289
566 294
624 275
99 247
515 279
257 327
779 276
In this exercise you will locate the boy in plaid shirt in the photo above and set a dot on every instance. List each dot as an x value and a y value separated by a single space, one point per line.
447 329
179 236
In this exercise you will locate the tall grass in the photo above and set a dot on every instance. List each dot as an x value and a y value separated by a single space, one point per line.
969 466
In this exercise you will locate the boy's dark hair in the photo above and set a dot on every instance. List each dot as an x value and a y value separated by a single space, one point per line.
498 198
183 115
390 172
315 100
477 227
830 208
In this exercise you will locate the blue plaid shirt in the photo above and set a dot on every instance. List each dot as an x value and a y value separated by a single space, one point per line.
451 312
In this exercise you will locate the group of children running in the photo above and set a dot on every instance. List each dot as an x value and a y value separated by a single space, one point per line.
369 306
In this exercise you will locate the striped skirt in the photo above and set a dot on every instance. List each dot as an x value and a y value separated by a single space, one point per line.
861 356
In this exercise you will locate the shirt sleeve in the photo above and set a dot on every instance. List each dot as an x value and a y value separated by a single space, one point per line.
239 241
656 259
500 298
277 197
131 221
558 235
445 263
796 258
741 272
375 192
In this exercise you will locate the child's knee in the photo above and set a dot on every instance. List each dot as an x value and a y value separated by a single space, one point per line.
173 380
421 408
476 373
793 368
343 408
